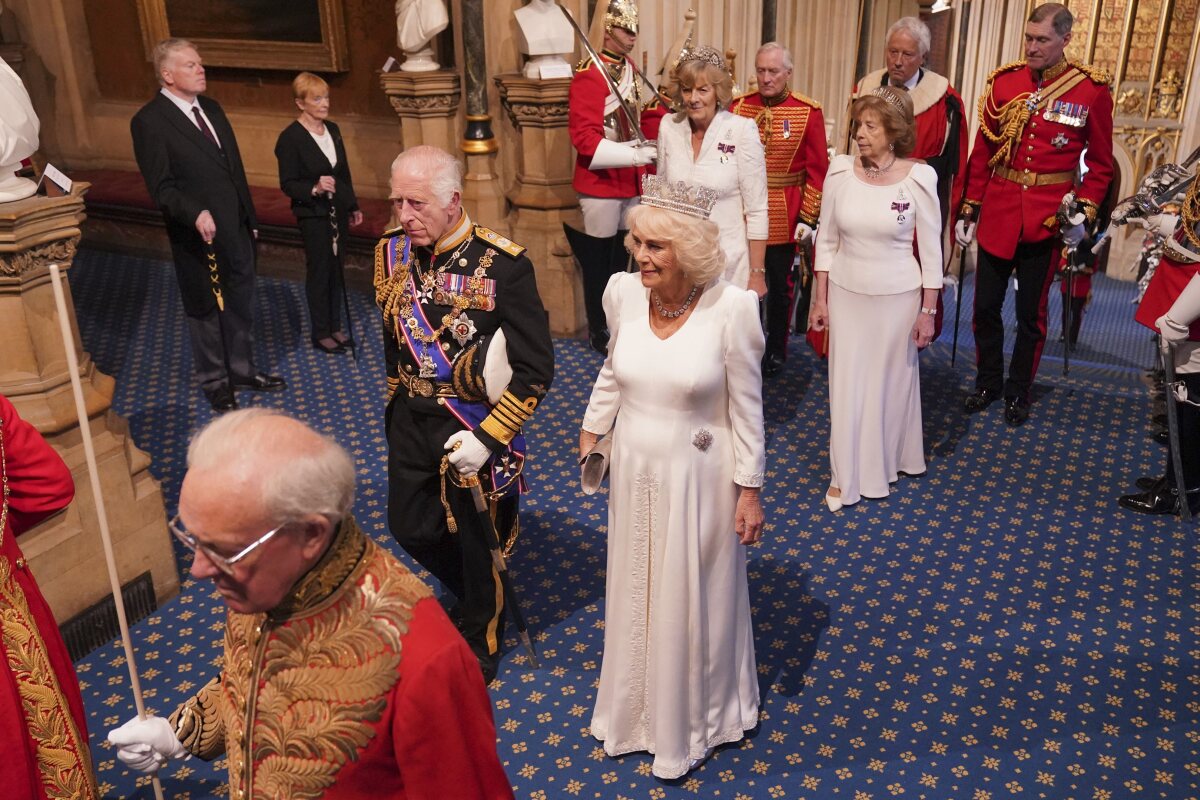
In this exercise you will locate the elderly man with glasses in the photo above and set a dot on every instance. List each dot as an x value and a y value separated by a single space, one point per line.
342 675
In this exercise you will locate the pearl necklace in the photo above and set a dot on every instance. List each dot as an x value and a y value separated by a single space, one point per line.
677 313
875 173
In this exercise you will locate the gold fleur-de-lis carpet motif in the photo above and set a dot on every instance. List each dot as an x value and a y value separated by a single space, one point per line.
995 629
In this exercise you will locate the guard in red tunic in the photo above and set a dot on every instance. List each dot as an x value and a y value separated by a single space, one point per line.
1036 118
1171 308
42 732
610 160
937 107
792 129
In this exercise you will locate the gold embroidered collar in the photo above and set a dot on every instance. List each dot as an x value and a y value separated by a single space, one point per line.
1052 72
455 236
777 99
328 574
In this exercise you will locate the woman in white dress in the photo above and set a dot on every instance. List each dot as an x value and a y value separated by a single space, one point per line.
681 391
706 145
876 298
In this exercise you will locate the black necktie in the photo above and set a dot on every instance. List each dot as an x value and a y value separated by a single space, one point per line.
207 131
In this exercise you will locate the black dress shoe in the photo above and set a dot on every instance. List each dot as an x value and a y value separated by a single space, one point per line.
344 339
1149 482
221 398
1162 436
1161 500
324 348
979 400
1016 411
599 341
262 382
772 364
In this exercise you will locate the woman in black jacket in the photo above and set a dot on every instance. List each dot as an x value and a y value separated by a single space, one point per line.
314 173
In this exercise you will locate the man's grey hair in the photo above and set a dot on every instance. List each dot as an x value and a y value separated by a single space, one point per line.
163 52
1059 15
444 172
771 47
918 30
311 475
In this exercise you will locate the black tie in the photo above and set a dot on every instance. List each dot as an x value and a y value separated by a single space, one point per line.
207 131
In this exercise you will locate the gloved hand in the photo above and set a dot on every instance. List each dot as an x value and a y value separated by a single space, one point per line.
1072 235
803 233
613 155
1183 312
964 233
146 744
1161 224
472 454
647 153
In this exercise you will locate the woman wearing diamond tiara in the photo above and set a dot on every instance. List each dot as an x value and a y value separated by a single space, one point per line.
706 145
876 297
678 675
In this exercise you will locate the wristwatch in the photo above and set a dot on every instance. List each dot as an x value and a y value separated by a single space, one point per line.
930 311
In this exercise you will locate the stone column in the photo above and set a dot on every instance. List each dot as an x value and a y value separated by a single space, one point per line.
65 552
542 197
481 188
427 104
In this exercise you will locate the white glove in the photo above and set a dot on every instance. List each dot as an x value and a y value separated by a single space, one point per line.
803 233
613 155
471 456
146 744
1161 224
964 233
1184 311
1073 234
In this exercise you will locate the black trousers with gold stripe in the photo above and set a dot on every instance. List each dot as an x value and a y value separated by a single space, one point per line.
417 519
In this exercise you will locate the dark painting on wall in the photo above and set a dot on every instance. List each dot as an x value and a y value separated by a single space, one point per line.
269 20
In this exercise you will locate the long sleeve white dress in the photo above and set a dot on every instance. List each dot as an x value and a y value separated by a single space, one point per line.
678 675
731 161
865 243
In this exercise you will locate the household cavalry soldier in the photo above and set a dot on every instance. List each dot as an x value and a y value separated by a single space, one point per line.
609 161
469 358
792 129
1036 119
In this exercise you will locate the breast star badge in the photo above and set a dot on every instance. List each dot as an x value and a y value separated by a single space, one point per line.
1059 141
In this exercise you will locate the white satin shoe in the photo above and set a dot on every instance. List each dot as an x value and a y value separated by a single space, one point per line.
834 502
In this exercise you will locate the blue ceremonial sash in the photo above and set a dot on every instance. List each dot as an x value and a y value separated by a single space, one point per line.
504 467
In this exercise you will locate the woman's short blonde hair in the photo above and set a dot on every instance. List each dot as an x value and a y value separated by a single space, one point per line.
306 84
695 242
689 73
894 109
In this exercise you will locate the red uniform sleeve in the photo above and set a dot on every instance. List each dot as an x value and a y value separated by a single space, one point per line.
978 171
585 110
1098 158
445 740
39 483
816 164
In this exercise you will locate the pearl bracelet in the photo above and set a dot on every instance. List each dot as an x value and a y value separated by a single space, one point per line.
930 311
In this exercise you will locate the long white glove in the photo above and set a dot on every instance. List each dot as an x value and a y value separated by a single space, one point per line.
964 233
803 233
1183 312
1161 224
471 456
612 155
146 744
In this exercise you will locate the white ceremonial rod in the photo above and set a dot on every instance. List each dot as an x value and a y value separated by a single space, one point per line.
85 430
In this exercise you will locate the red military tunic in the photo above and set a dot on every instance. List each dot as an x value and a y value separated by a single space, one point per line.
357 687
931 97
43 736
1171 277
793 136
592 107
1025 160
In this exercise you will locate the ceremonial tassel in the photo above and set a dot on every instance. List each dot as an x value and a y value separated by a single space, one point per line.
89 453
451 523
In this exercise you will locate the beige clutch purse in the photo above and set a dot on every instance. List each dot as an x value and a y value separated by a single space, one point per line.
593 467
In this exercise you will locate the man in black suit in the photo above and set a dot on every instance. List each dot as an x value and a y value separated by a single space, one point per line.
189 158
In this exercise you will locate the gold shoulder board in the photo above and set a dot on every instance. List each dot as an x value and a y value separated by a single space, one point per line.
498 241
806 99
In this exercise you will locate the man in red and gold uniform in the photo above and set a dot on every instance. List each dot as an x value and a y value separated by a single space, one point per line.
1036 118
610 159
342 676
43 735
792 129
937 107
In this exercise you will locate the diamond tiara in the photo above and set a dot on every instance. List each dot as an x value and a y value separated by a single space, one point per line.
685 198
709 55
889 95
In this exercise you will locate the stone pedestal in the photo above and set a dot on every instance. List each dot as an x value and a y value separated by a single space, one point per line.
65 552
427 104
542 197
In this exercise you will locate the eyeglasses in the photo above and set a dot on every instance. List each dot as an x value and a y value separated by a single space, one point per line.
223 563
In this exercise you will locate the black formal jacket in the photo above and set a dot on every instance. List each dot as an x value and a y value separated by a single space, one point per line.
302 162
185 174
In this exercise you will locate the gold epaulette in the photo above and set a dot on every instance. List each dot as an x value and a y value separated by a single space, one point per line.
1006 68
501 242
1097 74
806 99
583 64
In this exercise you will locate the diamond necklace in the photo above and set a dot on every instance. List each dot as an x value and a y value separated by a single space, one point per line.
677 313
875 173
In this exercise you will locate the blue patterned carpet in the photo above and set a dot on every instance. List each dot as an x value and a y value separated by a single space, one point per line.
996 629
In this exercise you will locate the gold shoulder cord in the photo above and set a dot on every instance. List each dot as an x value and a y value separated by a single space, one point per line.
1189 215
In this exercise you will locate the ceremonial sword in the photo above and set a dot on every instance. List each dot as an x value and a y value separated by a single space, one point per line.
630 117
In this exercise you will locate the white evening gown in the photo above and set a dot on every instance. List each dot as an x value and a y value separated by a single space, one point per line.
731 161
678 674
